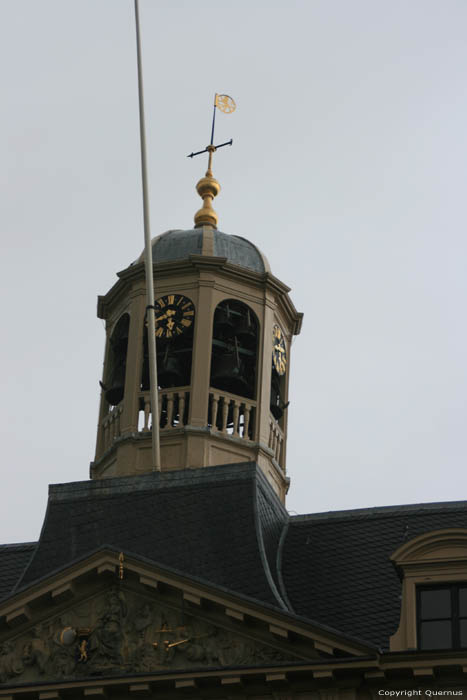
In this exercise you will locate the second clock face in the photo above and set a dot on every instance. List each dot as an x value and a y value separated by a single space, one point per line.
279 355
174 314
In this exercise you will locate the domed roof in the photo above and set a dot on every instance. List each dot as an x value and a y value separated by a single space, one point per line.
205 240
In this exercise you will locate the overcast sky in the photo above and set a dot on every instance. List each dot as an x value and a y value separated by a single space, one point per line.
348 170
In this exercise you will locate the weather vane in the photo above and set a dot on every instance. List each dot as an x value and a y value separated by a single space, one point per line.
208 187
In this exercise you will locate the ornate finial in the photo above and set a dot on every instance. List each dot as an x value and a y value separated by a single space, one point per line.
208 187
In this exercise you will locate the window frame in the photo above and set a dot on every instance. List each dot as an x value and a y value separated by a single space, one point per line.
455 618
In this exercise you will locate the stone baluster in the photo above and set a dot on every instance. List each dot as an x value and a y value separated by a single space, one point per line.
170 409
225 409
181 408
236 410
214 410
274 439
147 413
278 447
246 421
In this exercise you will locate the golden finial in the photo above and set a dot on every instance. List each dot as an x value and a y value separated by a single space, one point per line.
208 187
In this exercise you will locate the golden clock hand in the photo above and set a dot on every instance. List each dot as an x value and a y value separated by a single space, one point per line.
175 644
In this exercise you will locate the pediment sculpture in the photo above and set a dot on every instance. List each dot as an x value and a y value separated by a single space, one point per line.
120 632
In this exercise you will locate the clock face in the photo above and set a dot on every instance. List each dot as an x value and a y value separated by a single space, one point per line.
279 355
174 314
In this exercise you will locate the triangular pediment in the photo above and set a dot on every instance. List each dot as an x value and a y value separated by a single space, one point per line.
121 631
105 618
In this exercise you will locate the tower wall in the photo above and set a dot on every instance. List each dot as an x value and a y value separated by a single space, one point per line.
200 425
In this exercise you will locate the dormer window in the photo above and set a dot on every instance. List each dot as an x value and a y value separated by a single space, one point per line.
442 616
433 572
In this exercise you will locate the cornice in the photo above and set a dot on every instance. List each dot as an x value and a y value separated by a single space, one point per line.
200 263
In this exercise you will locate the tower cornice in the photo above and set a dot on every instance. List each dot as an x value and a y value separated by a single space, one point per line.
197 263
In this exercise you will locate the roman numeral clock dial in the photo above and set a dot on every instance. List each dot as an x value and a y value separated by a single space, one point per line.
279 355
174 314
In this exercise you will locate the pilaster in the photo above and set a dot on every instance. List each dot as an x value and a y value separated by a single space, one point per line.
202 341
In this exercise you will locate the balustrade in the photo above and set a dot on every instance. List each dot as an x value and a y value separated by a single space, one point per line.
232 415
111 426
276 441
229 414
173 409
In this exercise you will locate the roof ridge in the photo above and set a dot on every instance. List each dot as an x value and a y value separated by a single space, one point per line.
381 511
152 481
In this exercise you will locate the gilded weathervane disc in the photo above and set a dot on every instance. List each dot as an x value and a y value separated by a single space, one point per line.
225 103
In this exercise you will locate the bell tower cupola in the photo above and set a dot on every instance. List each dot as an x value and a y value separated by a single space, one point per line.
224 326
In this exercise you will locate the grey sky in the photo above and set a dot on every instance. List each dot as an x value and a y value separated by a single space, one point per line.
348 170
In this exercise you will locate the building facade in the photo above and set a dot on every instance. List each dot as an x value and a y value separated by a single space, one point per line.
194 581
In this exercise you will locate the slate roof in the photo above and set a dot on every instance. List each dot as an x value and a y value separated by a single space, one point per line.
179 245
336 566
202 522
13 561
225 526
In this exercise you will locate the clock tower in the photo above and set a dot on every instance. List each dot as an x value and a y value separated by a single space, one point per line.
224 326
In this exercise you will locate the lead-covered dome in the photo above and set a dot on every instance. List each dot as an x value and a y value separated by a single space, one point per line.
179 245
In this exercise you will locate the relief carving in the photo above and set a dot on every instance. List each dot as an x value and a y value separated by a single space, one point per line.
120 632
10 665
36 650
106 640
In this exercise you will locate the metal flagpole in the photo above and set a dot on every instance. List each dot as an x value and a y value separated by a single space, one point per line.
150 316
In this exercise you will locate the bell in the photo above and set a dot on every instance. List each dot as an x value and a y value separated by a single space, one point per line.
114 393
223 320
228 374
169 370
245 331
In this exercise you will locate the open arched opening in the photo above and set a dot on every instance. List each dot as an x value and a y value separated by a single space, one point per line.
234 349
114 381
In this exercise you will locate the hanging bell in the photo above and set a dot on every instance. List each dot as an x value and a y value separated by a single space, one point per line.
228 374
223 320
114 392
169 370
245 331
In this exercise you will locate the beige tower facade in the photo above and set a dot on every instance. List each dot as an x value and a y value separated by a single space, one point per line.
224 326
